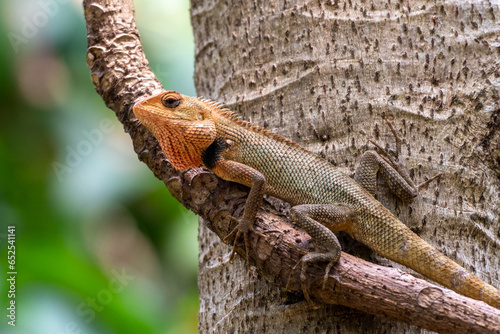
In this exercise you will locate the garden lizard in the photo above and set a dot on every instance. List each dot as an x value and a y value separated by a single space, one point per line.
196 132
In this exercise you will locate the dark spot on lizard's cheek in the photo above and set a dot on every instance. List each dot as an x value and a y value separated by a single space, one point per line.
212 154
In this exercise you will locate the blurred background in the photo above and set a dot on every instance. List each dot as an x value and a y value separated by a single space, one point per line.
101 246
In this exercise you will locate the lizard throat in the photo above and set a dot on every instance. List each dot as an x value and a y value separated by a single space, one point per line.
182 154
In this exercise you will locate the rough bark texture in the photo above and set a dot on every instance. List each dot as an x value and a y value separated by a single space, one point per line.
234 299
324 73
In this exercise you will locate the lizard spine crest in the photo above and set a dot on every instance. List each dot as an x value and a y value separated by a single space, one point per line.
233 117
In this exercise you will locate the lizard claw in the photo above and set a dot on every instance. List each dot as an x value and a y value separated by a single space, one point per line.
242 229
426 183
308 259
238 231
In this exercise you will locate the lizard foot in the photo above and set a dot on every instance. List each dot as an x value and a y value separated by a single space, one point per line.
305 261
242 229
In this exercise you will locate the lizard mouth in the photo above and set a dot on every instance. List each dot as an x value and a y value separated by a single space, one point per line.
139 110
147 114
146 106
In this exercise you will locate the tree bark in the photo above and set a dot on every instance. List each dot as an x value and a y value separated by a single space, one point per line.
278 64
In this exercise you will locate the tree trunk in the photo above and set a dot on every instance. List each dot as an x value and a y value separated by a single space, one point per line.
326 74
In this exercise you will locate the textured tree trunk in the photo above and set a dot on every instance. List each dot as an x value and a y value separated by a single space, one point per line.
325 74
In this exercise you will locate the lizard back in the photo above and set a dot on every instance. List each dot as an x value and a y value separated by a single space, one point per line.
292 173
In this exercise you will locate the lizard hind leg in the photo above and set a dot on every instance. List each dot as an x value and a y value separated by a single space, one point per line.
392 170
319 220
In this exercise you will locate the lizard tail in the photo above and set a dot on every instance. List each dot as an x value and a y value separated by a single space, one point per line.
406 248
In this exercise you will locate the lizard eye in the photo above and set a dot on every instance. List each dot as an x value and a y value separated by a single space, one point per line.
170 102
199 117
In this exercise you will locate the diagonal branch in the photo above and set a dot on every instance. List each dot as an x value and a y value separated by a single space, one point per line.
122 77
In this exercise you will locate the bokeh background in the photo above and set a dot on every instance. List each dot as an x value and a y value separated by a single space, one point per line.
101 246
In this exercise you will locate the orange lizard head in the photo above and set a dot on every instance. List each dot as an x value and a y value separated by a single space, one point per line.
183 126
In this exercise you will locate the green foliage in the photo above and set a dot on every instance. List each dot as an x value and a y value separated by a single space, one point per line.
101 246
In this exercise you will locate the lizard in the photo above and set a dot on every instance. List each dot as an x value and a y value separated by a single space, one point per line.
195 132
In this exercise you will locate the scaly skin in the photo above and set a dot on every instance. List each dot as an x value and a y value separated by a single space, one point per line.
194 132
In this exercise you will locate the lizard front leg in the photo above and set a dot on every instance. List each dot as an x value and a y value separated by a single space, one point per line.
319 220
243 174
392 170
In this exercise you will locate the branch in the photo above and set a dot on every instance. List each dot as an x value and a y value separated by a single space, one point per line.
122 77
